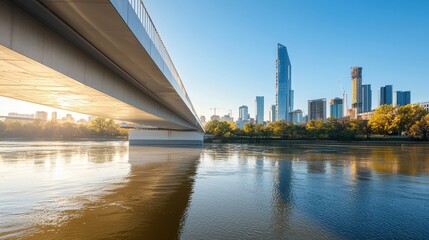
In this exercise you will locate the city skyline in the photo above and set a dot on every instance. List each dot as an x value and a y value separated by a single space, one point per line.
321 63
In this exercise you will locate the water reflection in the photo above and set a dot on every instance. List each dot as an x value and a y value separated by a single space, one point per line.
132 193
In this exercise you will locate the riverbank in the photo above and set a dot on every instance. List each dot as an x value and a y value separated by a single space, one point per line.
389 140
21 139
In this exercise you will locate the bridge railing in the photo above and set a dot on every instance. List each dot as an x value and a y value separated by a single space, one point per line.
148 25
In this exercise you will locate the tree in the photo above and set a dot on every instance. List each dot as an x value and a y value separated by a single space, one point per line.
249 129
382 120
316 129
420 129
406 116
361 127
103 127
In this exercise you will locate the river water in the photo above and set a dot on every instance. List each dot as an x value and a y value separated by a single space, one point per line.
108 190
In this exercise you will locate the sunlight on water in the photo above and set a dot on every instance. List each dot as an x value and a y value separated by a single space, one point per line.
99 190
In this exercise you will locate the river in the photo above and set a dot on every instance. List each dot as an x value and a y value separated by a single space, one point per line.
109 190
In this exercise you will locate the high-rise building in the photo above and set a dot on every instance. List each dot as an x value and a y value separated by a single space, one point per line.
227 118
357 89
402 98
259 103
297 116
215 117
243 116
54 116
284 92
385 95
317 109
366 98
336 107
41 115
273 113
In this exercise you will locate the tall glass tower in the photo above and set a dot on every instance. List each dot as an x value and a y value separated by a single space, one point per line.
366 98
385 95
284 92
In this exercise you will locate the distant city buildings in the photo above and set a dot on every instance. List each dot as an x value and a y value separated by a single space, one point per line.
227 118
272 113
215 117
297 116
54 116
402 98
425 105
357 89
366 98
41 115
68 118
365 115
317 109
259 103
385 95
336 108
19 115
243 116
284 92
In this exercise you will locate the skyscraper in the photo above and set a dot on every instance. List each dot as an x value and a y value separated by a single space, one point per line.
366 98
259 102
357 89
273 113
284 92
54 116
243 116
385 95
402 98
297 116
42 115
317 109
336 107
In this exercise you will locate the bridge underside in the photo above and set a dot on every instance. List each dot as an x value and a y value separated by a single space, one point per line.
39 65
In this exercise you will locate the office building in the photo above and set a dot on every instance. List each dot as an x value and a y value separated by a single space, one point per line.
297 116
336 108
425 105
215 117
227 118
243 116
366 98
259 103
54 116
402 98
41 115
273 113
385 95
357 89
317 109
284 92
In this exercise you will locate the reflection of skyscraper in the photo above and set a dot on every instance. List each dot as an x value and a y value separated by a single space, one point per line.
385 95
284 92
366 98
317 109
259 101
402 98
336 107
357 89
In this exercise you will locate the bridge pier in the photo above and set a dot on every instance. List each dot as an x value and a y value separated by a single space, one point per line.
164 137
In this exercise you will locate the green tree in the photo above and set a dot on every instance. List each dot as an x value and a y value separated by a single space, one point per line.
361 127
420 129
406 116
316 129
103 127
249 129
382 120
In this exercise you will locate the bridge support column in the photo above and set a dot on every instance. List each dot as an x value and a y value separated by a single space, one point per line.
164 137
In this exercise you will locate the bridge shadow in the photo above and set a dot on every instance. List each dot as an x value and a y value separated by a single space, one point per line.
151 203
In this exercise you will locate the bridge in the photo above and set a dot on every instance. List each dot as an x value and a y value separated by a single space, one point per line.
102 58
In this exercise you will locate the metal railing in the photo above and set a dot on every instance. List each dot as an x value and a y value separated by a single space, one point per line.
153 34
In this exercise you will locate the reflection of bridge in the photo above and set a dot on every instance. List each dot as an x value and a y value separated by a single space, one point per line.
101 58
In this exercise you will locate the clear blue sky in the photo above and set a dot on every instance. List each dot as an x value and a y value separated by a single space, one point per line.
225 50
